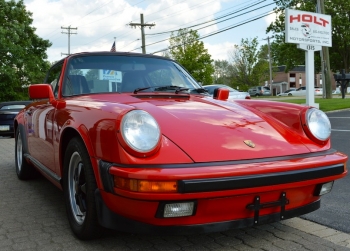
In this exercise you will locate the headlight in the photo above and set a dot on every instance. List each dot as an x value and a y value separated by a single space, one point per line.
140 131
318 124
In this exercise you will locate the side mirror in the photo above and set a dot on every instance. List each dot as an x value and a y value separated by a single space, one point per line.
44 91
40 91
221 94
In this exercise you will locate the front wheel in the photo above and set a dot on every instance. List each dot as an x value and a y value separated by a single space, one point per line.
24 170
79 185
289 94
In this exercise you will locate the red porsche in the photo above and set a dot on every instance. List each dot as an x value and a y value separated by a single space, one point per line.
137 145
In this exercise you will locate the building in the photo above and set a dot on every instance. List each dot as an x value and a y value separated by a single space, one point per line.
296 78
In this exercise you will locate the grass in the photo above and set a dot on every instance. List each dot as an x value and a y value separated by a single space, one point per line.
326 105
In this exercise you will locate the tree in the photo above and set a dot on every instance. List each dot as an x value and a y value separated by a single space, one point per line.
249 64
223 72
22 52
190 52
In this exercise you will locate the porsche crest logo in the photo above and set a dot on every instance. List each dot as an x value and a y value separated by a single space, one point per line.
249 143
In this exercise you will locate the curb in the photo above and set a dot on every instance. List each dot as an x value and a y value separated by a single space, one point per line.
332 235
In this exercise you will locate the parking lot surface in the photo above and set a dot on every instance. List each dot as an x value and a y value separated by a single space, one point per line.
32 217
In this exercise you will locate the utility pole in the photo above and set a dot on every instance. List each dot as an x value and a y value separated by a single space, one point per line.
270 66
142 25
69 33
326 76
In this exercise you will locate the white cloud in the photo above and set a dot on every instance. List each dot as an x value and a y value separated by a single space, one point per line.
98 22
220 51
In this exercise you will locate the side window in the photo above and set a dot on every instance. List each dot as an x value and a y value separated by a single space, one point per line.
53 77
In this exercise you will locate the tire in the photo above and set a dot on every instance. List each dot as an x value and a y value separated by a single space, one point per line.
289 94
256 95
24 170
79 185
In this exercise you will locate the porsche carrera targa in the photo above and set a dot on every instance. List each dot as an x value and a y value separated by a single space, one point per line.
136 144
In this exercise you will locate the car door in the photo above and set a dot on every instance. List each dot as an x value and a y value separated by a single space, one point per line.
40 125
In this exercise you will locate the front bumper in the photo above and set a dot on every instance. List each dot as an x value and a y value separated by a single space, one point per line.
111 220
227 195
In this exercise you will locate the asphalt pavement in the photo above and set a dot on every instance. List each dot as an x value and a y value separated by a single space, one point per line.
32 217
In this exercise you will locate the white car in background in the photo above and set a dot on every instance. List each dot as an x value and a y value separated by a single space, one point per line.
234 94
285 93
301 91
318 91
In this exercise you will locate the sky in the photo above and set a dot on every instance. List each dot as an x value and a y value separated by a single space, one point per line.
98 23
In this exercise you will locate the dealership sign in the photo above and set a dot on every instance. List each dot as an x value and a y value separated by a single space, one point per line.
111 75
308 28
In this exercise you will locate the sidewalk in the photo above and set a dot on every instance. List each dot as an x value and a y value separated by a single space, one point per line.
334 236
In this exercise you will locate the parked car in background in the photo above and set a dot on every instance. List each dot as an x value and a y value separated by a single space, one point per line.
8 111
137 145
318 91
233 94
301 91
285 93
259 91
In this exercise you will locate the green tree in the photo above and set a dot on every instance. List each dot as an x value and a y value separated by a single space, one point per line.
22 52
223 72
190 52
92 74
249 64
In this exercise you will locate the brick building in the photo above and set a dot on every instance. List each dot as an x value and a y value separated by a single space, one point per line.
296 78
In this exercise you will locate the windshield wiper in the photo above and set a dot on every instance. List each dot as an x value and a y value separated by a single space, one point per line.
200 90
141 89
172 87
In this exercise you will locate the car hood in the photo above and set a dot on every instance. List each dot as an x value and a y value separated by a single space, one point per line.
210 130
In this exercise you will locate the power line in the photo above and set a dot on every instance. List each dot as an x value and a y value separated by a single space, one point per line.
216 22
218 18
220 31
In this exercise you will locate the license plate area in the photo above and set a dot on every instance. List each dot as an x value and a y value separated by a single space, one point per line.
256 206
4 128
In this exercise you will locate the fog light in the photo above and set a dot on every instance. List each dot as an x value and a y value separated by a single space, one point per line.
178 209
326 188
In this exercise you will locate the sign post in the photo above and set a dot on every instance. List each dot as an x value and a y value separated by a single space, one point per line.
310 72
310 31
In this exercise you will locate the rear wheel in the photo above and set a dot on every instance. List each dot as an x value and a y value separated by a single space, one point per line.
79 185
289 94
24 170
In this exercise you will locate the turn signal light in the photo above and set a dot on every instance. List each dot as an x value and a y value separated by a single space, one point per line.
145 186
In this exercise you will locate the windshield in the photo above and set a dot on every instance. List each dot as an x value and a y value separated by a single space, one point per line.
101 74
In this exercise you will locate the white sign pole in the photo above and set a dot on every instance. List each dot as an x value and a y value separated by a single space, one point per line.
310 72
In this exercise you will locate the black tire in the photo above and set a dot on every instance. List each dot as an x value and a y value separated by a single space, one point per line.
79 185
256 95
24 170
289 94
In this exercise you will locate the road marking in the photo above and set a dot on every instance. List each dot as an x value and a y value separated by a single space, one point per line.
340 130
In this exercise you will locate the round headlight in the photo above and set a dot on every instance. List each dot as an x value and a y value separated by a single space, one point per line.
318 124
140 131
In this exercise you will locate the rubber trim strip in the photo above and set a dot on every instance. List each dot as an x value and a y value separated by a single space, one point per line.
258 180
